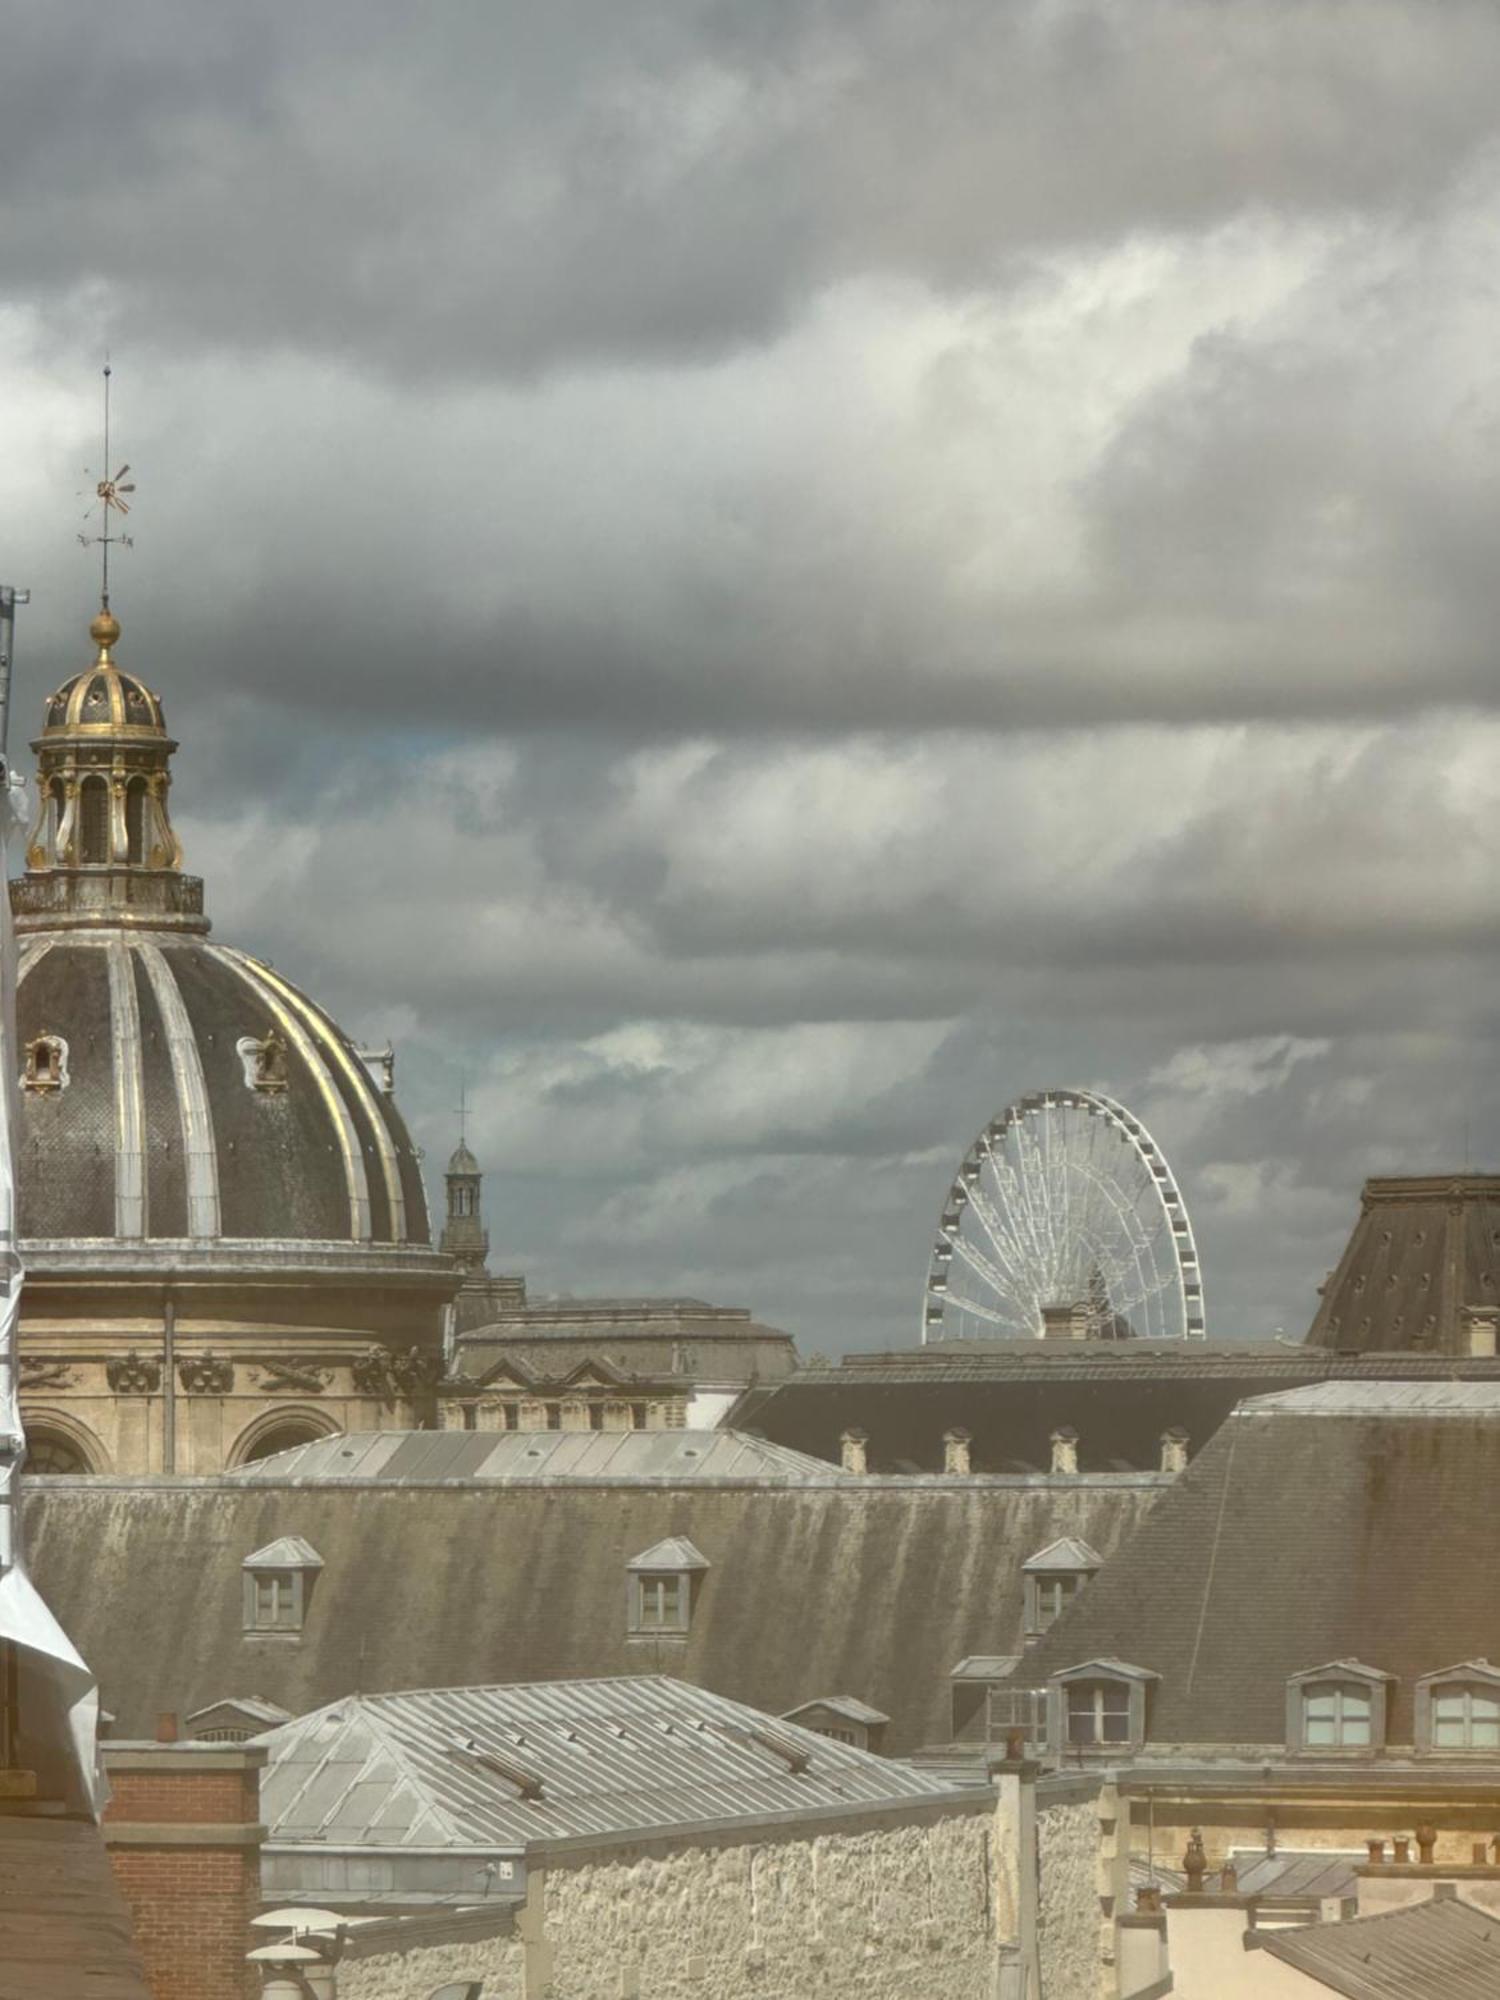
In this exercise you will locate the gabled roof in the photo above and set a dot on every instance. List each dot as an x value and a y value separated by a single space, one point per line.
1331 1667
1066 1555
1121 1669
419 1457
669 1558
847 1705
287 1552
248 1708
519 1766
1427 1951
1466 1670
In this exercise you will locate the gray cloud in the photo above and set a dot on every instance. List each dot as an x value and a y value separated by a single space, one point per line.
760 580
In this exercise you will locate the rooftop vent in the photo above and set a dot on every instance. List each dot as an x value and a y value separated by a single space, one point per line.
526 1782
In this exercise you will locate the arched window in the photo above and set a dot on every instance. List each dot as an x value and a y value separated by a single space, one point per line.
50 1451
93 820
283 1437
135 820
57 805
463 1199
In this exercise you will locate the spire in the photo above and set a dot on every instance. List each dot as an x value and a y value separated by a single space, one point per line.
102 850
464 1234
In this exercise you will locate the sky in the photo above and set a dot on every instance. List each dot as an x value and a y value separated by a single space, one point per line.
752 582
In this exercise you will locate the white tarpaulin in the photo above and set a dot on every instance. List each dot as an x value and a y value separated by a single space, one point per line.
55 1699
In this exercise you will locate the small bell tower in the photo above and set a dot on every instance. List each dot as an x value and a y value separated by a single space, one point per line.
464 1234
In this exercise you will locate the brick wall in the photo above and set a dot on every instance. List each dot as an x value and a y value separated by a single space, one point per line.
183 1832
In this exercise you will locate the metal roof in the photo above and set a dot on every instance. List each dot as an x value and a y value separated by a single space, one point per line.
1379 1399
1428 1951
986 1667
1067 1555
1309 1873
507 1767
417 1457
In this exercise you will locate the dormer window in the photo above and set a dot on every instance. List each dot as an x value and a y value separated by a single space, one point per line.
1458 1709
1337 1708
46 1064
278 1585
1052 1578
1099 1705
663 1582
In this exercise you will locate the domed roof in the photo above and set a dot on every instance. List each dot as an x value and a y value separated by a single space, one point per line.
102 700
177 1090
462 1161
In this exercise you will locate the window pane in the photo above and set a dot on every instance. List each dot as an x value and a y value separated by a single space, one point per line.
1448 1707
1319 1704
1356 1732
1116 1698
1485 1707
1448 1732
1356 1702
1080 1724
1485 1733
1116 1727
1318 1729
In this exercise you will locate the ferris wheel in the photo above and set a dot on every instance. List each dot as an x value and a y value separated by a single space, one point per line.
1064 1216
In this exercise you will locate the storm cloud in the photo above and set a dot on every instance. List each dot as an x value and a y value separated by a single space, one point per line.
757 581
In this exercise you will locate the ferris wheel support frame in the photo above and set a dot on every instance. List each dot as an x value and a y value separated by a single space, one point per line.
1133 1132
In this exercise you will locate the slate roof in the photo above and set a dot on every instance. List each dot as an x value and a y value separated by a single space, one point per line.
834 1583
420 1456
520 1766
1301 1534
1428 1951
1119 1395
1423 1250
63 1927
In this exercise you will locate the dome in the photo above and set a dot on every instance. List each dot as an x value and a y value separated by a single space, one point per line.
462 1161
174 1089
104 701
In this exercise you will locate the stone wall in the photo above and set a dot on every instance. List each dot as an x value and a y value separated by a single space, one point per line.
871 1911
411 1974
1070 1857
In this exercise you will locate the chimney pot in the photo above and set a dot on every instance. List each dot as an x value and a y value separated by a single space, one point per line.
1174 1449
1401 1848
1377 1852
1426 1843
853 1451
1229 1880
956 1451
1065 1449
166 1726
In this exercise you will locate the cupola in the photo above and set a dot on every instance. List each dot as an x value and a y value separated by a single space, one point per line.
102 850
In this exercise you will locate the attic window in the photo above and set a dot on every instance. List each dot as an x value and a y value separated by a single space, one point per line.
278 1585
1052 1578
1458 1709
1336 1708
264 1063
46 1064
1098 1712
663 1582
1098 1705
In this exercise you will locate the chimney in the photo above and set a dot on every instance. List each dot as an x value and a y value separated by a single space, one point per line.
852 1451
1174 1449
166 1726
956 1451
1426 1843
1070 1322
1481 1323
1065 1449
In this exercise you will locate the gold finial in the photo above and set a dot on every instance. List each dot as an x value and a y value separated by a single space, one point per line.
105 632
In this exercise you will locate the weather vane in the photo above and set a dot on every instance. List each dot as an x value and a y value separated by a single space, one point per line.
109 495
